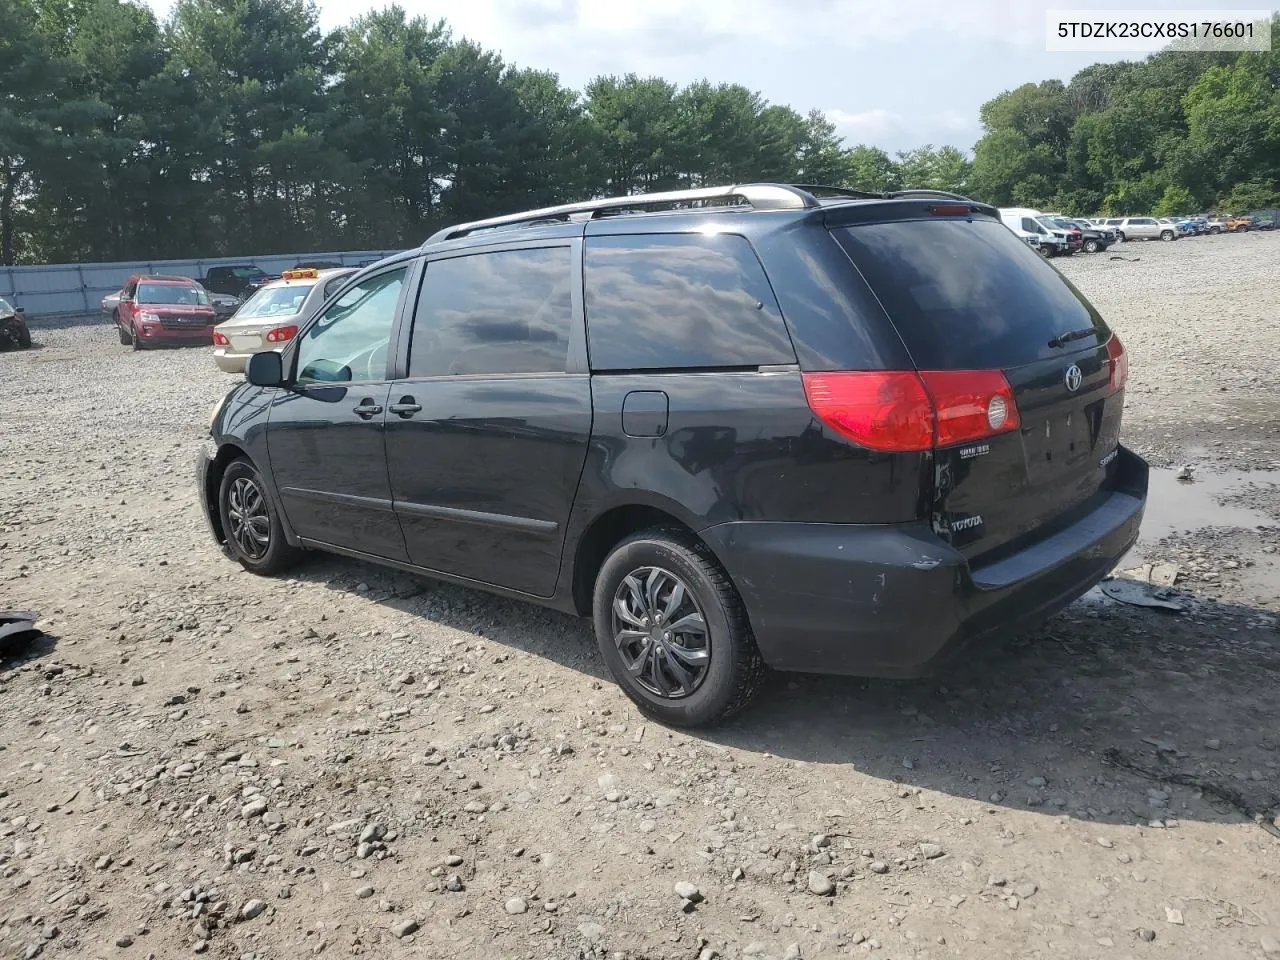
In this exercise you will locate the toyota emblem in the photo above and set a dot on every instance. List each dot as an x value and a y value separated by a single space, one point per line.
1072 378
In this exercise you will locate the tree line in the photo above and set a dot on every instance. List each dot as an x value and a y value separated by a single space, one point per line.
239 125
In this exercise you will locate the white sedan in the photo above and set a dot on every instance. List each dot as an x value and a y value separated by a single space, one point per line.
270 318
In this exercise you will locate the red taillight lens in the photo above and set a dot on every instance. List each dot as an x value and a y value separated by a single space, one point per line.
904 411
970 404
950 210
282 334
887 411
1118 360
220 340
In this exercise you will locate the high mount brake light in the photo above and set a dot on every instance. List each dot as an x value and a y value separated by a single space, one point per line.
904 411
1118 361
950 210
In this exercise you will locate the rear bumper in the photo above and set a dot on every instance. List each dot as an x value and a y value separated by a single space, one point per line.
229 361
896 601
234 361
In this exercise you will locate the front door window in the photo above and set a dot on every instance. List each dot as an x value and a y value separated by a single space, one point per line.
349 342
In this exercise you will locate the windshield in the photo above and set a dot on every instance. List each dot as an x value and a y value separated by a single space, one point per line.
171 293
248 273
5 307
275 301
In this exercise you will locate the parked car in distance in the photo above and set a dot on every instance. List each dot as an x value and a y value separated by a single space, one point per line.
1025 222
109 304
270 318
1145 228
1239 224
1096 239
15 334
1216 225
1067 231
156 310
823 434
224 305
1264 223
239 280
317 265
1108 233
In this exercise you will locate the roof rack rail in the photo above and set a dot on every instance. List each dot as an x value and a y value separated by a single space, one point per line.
759 196
817 188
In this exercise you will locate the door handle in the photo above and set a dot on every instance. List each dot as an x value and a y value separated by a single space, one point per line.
367 409
406 408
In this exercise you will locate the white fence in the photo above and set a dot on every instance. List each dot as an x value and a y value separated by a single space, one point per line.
70 289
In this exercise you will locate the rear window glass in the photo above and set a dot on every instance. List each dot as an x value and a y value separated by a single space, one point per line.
680 301
275 302
967 295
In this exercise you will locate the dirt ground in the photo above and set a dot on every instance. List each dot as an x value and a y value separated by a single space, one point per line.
357 762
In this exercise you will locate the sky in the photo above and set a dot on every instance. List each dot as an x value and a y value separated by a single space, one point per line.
896 74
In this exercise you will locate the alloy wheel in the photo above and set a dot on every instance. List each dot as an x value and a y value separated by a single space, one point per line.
661 633
248 517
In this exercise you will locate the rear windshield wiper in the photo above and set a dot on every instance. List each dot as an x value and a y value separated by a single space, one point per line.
1063 339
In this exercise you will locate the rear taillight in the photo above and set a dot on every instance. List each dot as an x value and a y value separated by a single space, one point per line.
903 411
1118 361
220 340
970 404
282 334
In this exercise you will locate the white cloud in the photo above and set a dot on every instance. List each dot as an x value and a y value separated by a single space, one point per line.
868 126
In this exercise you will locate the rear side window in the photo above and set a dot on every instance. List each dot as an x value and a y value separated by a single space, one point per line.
504 312
680 301
967 295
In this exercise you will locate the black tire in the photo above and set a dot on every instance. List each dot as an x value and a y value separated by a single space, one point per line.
1119 236
1214 231
133 337
24 337
124 334
1091 246
1166 234
734 671
244 539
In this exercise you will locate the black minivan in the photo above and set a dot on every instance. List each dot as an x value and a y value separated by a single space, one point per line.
764 425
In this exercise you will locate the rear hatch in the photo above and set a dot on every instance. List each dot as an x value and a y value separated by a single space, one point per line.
966 295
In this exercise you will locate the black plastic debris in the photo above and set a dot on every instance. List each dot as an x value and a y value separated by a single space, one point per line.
17 627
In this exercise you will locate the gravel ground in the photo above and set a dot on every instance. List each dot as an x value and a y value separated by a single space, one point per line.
359 762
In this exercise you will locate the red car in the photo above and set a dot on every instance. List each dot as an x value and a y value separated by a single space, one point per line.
164 310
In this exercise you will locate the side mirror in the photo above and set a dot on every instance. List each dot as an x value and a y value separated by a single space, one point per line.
265 369
19 309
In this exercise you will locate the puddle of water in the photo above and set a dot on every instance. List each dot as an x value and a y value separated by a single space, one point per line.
1176 506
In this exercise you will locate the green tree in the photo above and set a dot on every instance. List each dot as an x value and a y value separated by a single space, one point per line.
944 168
388 127
871 169
634 120
1175 200
45 125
